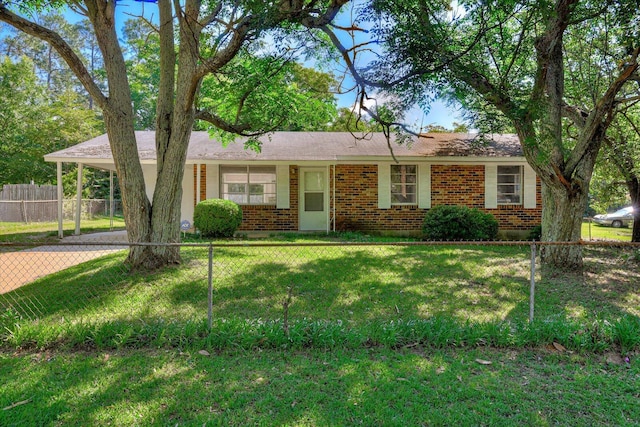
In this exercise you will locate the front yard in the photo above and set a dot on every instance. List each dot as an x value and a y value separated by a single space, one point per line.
374 335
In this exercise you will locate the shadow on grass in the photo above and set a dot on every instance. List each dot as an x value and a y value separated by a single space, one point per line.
609 288
348 283
368 387
359 284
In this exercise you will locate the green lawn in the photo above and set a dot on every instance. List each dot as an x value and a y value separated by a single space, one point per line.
17 232
342 387
377 335
593 231
354 286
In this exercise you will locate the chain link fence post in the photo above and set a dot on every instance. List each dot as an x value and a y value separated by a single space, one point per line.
210 283
532 289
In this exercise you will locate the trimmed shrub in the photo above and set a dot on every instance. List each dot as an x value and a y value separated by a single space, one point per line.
217 217
459 223
535 233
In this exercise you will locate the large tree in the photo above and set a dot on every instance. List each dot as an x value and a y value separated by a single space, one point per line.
197 39
517 58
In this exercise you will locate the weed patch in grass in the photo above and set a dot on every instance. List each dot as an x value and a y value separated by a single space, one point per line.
440 332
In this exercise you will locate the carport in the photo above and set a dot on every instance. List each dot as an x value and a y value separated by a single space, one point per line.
83 155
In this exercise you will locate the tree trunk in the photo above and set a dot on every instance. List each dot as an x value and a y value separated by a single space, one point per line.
562 222
119 123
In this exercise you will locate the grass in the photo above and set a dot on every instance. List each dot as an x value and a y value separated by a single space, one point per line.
366 386
351 284
17 232
340 294
376 335
593 231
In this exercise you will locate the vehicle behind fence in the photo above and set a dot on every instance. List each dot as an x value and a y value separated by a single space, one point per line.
344 282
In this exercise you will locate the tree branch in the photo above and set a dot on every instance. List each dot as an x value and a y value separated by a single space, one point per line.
237 129
62 47
601 116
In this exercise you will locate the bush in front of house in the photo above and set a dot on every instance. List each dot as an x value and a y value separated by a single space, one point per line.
459 223
217 217
535 233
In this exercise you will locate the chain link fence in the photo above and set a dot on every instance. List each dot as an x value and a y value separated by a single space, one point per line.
345 282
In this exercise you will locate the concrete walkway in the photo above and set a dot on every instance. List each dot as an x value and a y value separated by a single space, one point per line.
19 268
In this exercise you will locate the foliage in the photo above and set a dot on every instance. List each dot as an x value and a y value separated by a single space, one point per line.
446 222
348 120
621 161
142 46
51 70
268 93
34 125
217 217
535 233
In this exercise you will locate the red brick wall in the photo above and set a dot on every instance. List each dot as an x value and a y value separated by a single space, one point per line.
203 182
356 202
464 185
457 185
260 217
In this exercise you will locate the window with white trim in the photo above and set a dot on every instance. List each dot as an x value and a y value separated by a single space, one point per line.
248 185
404 184
510 185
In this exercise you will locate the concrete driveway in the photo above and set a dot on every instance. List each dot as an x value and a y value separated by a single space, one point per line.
19 268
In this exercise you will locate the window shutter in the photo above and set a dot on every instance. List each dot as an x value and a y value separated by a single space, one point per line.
424 186
282 187
491 186
384 186
529 188
213 181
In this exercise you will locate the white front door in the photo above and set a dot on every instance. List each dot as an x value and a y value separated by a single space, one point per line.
313 199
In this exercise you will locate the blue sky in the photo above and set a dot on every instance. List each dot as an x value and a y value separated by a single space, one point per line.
439 114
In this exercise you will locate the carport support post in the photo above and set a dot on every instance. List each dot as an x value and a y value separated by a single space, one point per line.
60 194
78 199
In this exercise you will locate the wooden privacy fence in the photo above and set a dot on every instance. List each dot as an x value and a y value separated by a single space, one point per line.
28 192
27 211
38 203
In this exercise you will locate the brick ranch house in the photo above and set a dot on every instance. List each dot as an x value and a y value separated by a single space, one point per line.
324 181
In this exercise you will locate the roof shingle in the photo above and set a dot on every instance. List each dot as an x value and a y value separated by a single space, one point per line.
310 146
